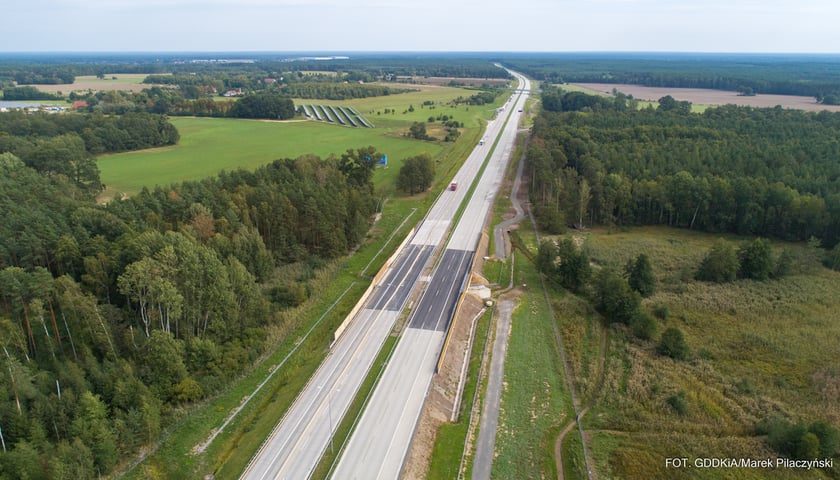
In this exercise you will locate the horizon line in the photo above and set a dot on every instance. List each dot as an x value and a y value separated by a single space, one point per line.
398 52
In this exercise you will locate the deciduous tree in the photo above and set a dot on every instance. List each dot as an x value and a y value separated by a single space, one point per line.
416 174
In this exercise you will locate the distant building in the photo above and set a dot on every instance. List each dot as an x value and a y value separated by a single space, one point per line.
79 104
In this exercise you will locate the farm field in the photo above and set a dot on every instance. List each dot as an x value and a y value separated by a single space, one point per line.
758 350
701 96
209 145
124 81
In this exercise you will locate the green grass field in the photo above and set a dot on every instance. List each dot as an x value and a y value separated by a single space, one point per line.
209 145
535 400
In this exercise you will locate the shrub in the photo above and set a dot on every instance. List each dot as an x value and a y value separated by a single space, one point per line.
745 386
673 344
784 264
828 436
756 259
798 441
661 311
187 390
614 298
832 258
679 403
640 276
644 326
720 264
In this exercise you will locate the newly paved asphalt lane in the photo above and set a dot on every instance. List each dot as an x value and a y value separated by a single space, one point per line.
437 305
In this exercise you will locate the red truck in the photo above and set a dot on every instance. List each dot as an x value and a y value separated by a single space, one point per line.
453 186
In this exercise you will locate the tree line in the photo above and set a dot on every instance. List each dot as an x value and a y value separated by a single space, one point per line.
807 75
66 144
337 91
113 317
164 101
483 97
765 172
28 93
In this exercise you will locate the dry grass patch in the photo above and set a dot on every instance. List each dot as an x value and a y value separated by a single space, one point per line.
758 349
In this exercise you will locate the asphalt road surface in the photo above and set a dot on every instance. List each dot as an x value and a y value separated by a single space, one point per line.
380 442
298 441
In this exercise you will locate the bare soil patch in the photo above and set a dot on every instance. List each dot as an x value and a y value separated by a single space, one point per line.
125 82
701 96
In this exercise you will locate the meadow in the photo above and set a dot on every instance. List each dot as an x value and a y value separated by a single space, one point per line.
209 145
758 350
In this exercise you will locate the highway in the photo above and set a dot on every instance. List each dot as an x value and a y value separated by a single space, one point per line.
380 442
298 441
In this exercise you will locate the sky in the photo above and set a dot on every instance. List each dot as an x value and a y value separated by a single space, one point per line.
781 26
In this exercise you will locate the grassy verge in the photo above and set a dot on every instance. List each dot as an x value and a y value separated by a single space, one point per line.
573 464
535 400
496 272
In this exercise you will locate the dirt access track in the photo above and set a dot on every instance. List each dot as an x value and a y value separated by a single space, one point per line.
701 96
